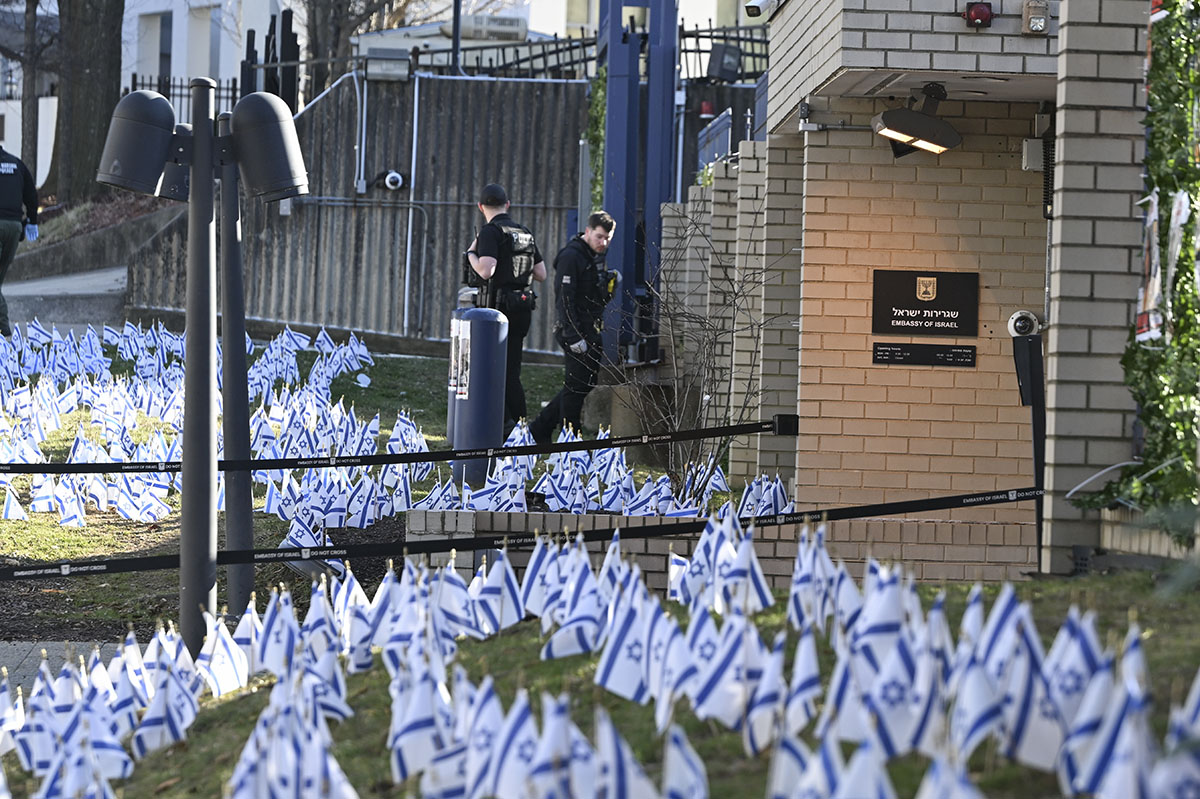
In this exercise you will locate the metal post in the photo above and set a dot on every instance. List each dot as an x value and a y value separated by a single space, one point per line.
456 45
198 533
621 152
235 418
664 27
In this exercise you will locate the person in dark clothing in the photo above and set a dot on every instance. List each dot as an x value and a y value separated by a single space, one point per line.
505 256
581 294
18 218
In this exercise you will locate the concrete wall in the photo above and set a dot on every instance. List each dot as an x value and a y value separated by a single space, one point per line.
1096 258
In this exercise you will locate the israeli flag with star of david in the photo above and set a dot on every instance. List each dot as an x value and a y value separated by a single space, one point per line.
515 748
622 667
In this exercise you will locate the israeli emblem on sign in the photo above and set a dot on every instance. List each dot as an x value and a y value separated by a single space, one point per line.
305 553
645 439
64 569
162 466
1012 495
926 288
333 460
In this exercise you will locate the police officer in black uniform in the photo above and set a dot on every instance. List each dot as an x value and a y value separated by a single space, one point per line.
505 260
583 287
17 190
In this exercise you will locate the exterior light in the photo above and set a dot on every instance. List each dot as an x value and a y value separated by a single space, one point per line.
978 15
909 129
138 142
1035 18
386 63
143 142
264 137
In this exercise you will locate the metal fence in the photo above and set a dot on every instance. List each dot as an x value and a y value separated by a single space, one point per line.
389 261
179 92
555 59
696 44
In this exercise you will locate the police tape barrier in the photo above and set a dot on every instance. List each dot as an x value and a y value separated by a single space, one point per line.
513 540
782 424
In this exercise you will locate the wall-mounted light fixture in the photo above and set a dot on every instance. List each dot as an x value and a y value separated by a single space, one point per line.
1035 18
909 130
978 15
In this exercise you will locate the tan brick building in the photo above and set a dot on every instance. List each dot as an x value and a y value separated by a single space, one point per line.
815 210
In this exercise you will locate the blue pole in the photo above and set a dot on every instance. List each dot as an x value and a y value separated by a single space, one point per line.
621 148
664 21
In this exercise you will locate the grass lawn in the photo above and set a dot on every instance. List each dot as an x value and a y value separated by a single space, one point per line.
201 765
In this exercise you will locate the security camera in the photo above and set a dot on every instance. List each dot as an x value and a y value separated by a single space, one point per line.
1023 323
393 181
760 8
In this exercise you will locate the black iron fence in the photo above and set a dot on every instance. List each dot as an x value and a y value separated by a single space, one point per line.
555 59
744 46
179 92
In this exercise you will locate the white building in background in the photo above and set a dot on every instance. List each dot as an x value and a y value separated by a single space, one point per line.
580 17
184 39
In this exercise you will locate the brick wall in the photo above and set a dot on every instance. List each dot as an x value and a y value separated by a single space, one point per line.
803 50
929 548
1095 264
813 40
780 297
721 278
874 433
746 385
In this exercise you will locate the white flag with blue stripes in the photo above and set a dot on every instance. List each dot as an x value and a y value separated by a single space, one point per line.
684 775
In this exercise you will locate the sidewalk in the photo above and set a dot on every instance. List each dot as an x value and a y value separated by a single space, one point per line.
22 659
69 302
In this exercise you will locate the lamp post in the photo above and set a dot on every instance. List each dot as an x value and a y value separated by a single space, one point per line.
142 139
235 418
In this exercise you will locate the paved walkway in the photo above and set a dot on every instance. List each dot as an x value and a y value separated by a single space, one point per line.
22 658
67 302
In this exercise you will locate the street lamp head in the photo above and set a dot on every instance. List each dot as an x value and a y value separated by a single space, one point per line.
268 152
177 173
138 143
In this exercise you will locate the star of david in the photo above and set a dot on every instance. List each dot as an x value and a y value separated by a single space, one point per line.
462 767
1187 788
580 750
483 739
695 569
658 650
737 674
634 650
723 570
1047 709
893 692
707 650
526 750
1070 682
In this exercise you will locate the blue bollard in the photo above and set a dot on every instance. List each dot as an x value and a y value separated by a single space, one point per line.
479 403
